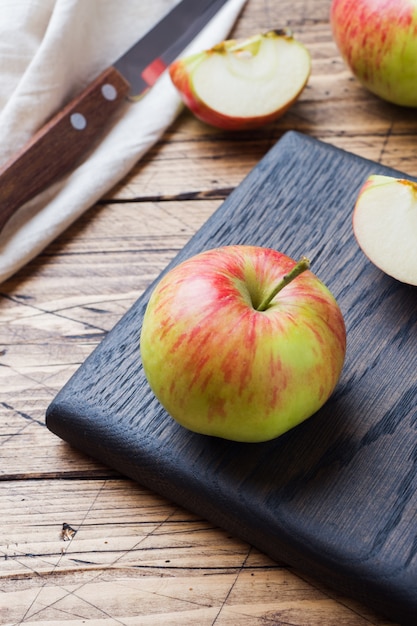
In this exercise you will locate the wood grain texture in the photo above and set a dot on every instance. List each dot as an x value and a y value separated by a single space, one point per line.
334 497
58 308
136 559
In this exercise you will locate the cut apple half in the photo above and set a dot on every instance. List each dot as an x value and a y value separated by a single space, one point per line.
385 225
243 84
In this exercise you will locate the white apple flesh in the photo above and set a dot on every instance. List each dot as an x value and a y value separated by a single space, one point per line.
385 225
240 342
243 84
378 41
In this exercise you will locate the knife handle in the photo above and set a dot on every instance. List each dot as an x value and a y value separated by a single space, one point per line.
59 145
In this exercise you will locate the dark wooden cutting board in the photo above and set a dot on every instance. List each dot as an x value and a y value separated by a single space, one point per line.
335 497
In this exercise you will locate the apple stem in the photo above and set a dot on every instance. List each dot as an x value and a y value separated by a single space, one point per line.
300 267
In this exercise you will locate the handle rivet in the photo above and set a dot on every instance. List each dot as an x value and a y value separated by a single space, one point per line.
78 121
109 92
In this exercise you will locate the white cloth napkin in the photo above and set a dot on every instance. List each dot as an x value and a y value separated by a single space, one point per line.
49 51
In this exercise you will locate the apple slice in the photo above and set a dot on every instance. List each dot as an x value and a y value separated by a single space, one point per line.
385 225
243 84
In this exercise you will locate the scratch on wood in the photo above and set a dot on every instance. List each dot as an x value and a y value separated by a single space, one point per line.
26 416
386 140
240 569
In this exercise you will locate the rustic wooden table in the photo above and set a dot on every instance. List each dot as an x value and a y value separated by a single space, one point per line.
78 541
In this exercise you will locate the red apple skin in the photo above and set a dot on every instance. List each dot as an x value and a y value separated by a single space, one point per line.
219 366
179 76
378 41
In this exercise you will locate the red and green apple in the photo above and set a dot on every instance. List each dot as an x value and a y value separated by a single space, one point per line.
378 41
242 342
243 84
385 225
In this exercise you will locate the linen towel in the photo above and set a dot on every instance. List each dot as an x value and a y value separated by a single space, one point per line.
49 51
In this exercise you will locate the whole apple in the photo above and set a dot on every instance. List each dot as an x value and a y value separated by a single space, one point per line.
242 342
243 84
378 41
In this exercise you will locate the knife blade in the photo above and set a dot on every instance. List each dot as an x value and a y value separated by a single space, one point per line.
62 142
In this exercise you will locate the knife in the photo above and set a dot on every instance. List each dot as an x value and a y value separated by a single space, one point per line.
60 145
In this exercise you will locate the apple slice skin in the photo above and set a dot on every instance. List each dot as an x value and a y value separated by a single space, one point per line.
385 225
180 79
181 72
219 366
